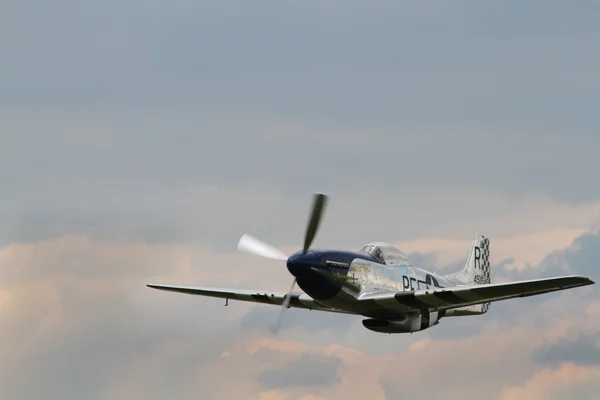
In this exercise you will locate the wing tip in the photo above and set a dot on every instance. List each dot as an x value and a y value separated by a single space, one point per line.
154 286
584 280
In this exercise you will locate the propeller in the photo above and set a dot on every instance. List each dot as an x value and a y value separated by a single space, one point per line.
285 305
254 246
318 206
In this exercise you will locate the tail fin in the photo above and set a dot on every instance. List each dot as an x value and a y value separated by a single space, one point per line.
476 271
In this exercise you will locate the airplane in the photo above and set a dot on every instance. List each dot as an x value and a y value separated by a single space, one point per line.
378 282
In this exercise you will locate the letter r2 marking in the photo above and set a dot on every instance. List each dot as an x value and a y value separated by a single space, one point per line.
477 258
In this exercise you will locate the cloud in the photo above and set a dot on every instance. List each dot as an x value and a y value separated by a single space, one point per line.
517 251
79 298
481 358
305 371
80 316
565 313
582 350
296 319
567 381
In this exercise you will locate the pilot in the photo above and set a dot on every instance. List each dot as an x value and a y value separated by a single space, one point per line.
378 254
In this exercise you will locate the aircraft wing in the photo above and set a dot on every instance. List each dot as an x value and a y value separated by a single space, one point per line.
439 299
298 300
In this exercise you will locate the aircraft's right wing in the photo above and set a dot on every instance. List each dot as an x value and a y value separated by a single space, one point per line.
298 300
439 299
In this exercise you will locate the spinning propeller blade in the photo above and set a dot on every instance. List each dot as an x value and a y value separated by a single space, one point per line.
252 245
286 304
319 202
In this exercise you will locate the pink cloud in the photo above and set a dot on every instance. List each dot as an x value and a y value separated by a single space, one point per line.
77 290
563 382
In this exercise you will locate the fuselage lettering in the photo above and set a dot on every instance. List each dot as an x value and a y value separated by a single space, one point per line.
405 284
410 284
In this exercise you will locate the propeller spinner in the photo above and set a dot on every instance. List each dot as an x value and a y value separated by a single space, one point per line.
254 246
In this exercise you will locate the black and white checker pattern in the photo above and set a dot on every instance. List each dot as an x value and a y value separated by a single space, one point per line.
485 268
485 259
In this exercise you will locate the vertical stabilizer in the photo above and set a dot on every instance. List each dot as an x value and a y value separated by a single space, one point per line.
477 269
475 272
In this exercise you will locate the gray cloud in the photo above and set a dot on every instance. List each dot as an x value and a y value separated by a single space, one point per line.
582 351
580 258
307 321
425 261
575 259
583 255
305 371
79 318
95 328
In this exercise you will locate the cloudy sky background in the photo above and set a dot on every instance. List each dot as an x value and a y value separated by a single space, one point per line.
141 139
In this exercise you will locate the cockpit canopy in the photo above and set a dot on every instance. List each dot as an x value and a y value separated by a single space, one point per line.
385 253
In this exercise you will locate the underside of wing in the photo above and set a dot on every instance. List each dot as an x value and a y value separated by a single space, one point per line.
461 296
298 300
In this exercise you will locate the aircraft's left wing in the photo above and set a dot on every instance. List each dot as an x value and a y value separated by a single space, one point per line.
298 300
439 299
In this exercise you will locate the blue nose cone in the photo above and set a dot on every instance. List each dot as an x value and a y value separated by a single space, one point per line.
301 263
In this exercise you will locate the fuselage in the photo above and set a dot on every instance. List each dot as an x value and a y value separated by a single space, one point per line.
337 278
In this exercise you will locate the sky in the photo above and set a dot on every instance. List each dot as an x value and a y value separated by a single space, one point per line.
141 139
